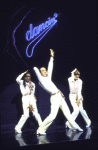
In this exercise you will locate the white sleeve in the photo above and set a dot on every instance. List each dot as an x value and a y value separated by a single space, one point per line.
36 70
69 80
80 90
34 88
50 67
18 79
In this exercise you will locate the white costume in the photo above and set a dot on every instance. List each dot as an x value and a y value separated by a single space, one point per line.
75 87
27 99
56 100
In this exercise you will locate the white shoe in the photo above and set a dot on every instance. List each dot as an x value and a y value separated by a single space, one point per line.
18 130
76 127
79 129
88 125
40 133
72 130
68 125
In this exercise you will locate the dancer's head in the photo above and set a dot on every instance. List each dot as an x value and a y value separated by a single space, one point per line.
43 71
27 77
76 74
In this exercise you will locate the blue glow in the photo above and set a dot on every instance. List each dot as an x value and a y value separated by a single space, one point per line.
38 31
13 35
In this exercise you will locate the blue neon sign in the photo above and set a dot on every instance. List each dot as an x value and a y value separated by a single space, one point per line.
39 32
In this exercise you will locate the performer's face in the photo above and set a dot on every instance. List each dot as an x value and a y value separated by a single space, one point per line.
43 71
27 77
76 77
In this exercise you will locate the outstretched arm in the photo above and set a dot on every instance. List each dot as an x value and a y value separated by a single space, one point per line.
50 65
37 72
18 79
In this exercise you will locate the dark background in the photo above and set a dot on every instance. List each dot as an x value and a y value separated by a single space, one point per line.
74 40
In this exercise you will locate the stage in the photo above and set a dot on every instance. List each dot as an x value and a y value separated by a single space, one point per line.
70 29
57 137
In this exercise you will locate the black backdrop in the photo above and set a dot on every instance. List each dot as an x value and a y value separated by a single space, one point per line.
73 38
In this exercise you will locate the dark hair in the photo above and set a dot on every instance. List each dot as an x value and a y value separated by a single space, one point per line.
24 82
27 73
41 68
76 72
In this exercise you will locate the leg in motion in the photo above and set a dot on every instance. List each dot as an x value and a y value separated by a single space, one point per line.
25 115
48 121
35 111
84 115
75 112
66 112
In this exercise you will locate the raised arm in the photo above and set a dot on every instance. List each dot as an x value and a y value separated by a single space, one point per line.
18 79
37 72
50 65
72 73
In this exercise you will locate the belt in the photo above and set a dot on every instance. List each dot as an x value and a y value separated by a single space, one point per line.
60 93
26 94
73 93
55 93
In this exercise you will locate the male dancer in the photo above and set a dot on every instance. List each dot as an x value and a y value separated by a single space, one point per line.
27 88
56 99
75 96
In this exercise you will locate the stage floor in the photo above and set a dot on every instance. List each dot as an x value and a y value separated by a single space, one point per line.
58 136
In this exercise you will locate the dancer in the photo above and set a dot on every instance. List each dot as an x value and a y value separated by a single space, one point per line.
76 98
57 98
27 88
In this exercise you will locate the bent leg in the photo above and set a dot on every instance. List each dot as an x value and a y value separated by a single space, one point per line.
66 112
54 110
84 114
35 111
75 112
25 116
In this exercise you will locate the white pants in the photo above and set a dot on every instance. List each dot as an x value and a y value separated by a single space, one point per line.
77 109
57 101
26 100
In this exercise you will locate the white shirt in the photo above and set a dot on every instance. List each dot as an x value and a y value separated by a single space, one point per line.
25 90
46 82
75 86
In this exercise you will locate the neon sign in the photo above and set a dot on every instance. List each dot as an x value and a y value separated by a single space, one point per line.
39 32
14 31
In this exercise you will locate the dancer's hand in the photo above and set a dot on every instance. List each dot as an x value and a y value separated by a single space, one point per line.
81 98
51 53
25 72
30 108
35 98
78 102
